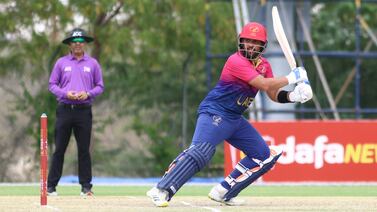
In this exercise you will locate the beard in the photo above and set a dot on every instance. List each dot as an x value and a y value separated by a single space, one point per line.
250 56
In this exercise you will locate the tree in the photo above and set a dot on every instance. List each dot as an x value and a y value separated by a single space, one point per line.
330 33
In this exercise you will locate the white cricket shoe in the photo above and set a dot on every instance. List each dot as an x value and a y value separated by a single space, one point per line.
51 191
234 202
217 194
159 197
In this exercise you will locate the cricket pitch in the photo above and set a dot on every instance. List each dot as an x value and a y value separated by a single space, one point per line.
186 203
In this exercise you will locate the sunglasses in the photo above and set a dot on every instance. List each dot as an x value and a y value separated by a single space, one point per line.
78 40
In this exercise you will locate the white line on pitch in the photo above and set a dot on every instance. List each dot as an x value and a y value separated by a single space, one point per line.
131 197
194 206
47 206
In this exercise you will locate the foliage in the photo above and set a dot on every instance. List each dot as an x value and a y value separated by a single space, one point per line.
338 34
142 47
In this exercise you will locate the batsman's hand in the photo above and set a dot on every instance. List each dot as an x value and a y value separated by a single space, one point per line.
297 75
302 93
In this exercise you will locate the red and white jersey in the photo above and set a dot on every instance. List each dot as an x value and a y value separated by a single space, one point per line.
233 94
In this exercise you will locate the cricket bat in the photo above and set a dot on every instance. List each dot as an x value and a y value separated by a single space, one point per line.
283 41
282 38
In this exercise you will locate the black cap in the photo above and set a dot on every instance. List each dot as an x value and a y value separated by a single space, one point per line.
77 33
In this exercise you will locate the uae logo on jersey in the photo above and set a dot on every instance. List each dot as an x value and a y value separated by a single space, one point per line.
216 120
261 69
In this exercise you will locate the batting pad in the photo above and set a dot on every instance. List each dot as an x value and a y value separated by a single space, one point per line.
250 175
186 165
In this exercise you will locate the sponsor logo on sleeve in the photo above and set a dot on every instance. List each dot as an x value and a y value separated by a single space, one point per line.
86 69
67 68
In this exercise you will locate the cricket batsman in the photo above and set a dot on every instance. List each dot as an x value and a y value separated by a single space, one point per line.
220 118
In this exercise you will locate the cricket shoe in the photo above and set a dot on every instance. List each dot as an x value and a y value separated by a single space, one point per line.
51 191
159 197
217 194
86 192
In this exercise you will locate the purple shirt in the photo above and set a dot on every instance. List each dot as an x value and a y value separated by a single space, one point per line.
70 74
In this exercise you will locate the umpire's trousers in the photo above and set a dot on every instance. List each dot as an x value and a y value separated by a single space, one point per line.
79 119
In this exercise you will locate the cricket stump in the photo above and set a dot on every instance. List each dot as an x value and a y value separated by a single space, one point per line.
43 159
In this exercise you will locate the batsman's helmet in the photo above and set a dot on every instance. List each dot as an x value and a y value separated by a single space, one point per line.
252 31
77 33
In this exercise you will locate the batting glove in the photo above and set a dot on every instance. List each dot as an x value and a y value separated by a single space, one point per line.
297 75
302 93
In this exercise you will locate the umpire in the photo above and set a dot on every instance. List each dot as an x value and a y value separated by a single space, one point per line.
75 81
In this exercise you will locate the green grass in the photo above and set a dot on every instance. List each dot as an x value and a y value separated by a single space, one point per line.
284 191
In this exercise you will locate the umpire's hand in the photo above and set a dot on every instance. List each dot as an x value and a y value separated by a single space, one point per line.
71 95
82 95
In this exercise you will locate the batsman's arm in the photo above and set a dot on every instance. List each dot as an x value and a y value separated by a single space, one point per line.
301 93
266 84
282 96
274 92
274 95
